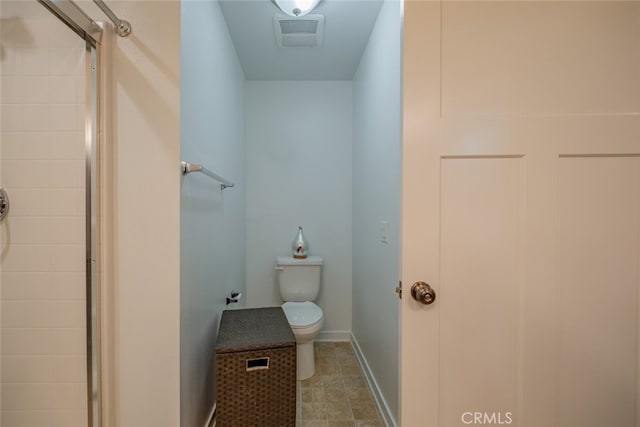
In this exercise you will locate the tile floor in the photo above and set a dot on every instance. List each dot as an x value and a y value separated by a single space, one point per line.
337 395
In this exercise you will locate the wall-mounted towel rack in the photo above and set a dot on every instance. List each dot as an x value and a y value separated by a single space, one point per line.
189 167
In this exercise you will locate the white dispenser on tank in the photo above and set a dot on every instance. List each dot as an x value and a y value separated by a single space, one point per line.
300 245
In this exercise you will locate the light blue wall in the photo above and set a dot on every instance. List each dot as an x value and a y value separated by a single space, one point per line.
376 198
212 253
299 173
325 155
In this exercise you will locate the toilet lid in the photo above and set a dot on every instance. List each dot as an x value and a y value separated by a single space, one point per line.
302 313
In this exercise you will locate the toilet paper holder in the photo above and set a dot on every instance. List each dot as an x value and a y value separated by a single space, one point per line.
234 297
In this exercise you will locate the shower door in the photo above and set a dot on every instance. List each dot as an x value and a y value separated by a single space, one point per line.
47 376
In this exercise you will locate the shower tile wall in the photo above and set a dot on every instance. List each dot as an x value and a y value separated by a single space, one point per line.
42 324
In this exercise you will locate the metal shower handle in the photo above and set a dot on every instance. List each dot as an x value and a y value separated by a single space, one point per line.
4 203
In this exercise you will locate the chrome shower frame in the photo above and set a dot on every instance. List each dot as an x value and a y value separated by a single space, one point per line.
75 18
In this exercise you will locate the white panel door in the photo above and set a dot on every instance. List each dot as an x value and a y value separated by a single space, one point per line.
521 208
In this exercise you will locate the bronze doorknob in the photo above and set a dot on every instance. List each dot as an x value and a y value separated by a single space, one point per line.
423 293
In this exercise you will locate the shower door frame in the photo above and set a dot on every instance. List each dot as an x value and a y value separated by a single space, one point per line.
75 18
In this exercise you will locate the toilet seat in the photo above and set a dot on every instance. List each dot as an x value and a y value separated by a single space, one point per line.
302 314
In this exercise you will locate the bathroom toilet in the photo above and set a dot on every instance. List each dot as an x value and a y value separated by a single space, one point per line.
299 281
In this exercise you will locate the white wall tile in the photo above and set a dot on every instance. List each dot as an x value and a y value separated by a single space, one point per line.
81 113
61 35
41 341
12 118
24 146
35 90
36 117
26 258
43 285
40 258
67 258
43 230
26 396
43 314
47 202
81 90
64 89
57 418
43 368
26 173
67 173
35 61
10 144
67 145
28 201
11 60
67 201
64 117
11 92
65 61
34 29
42 396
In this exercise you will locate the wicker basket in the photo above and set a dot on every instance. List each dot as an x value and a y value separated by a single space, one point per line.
255 369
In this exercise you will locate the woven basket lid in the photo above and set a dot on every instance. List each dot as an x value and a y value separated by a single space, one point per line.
254 329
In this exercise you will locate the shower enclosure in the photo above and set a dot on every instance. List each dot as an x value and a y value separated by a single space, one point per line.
49 340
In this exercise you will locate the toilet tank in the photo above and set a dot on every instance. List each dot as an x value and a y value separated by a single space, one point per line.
299 279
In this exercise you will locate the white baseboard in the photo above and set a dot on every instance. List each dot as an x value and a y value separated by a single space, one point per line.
334 336
380 401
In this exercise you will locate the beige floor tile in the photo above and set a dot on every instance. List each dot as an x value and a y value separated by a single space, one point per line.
363 412
334 423
368 423
339 411
337 395
346 360
332 381
359 396
312 395
313 411
354 381
325 358
350 370
329 369
343 351
314 381
324 348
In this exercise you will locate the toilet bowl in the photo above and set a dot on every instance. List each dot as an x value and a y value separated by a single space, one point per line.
305 319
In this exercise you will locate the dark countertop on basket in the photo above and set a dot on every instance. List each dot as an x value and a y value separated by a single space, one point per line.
253 329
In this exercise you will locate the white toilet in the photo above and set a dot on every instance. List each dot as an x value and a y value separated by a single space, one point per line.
299 285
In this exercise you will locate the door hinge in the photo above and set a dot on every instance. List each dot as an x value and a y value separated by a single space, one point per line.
399 289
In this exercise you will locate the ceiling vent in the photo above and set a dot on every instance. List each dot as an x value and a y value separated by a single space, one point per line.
306 31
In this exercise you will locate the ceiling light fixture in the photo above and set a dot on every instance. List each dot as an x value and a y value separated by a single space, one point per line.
296 7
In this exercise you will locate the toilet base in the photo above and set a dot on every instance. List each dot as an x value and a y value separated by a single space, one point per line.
305 361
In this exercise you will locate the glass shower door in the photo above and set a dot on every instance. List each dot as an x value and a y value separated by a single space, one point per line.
43 309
